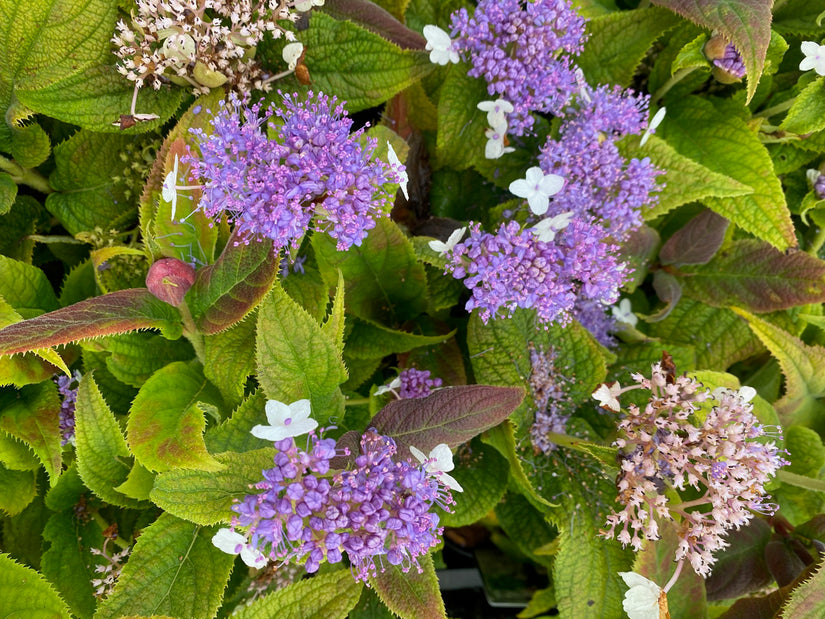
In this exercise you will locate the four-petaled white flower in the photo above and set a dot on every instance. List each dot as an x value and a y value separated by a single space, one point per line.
233 543
285 421
651 128
391 386
497 113
305 5
442 248
607 395
642 600
439 463
537 187
814 57
169 190
395 164
746 393
292 52
623 312
495 144
547 228
440 46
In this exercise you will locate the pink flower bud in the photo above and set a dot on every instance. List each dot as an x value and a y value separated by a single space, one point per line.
169 279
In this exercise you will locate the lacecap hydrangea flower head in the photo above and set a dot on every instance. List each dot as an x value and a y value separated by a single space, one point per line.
688 438
378 508
313 173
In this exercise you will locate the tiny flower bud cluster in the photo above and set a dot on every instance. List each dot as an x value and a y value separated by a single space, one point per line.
306 513
553 405
416 383
69 393
109 571
313 171
731 62
667 445
202 43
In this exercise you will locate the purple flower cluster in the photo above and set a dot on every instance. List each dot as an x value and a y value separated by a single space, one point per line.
416 383
521 52
515 268
379 508
666 446
731 62
596 318
314 173
553 405
819 187
69 393
599 181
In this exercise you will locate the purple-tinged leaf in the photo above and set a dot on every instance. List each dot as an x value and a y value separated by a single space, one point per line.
784 564
813 529
669 290
768 606
410 594
117 312
741 569
697 242
754 275
637 252
453 415
808 599
225 292
380 21
745 23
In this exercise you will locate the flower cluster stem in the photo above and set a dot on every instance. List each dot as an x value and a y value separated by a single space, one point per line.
25 176
674 79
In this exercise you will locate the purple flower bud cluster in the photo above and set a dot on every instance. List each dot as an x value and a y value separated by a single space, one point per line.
599 181
69 393
553 405
416 383
819 187
514 268
596 318
731 62
521 52
314 173
667 447
379 508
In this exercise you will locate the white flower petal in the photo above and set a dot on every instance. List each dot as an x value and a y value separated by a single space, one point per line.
538 202
747 393
439 45
228 541
419 455
607 396
396 164
443 248
285 421
443 457
651 127
520 188
253 557
450 482
292 52
623 312
551 184
169 190
641 601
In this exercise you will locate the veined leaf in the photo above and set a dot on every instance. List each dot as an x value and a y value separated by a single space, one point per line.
19 489
32 414
461 125
412 595
25 593
369 340
807 114
808 600
482 473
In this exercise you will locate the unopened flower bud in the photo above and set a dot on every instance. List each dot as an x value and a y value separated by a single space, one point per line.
728 66
169 279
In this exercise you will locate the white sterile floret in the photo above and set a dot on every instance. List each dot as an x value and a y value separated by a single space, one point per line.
292 52
396 165
440 46
497 113
547 228
812 174
169 191
584 88
651 128
495 144
233 543
438 463
641 601
623 312
537 187
285 421
442 248
391 386
814 57
608 396
746 393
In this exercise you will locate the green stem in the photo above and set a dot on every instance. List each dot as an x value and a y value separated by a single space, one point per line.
674 79
776 109
571 442
117 540
190 331
25 176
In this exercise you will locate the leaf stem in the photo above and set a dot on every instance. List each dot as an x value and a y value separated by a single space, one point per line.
190 331
571 442
776 109
25 176
674 79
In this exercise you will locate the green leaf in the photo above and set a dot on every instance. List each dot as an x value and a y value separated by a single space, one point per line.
25 593
452 415
807 114
804 369
808 600
618 42
482 473
224 293
166 423
411 595
359 66
32 415
296 359
173 570
754 275
30 145
334 325
18 225
205 497
526 526
138 483
326 596
23 533
801 493
15 455
19 489
103 459
68 562
229 358
116 312
8 192
726 145
369 340
799 17
384 282
461 125
309 291
234 433
801 481
745 23
26 288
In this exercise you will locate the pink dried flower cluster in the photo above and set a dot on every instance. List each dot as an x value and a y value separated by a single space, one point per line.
203 43
687 436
